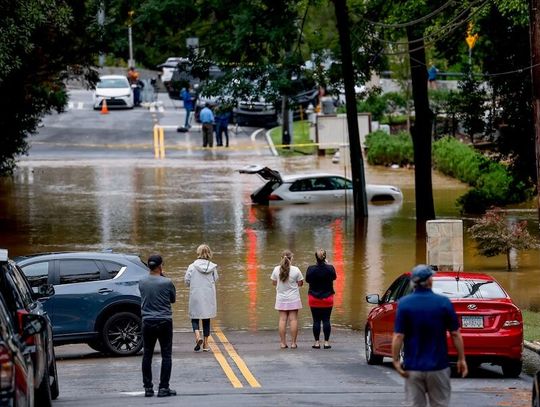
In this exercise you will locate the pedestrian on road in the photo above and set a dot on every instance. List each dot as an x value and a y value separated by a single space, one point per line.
422 320
187 98
223 116
288 279
432 76
201 277
136 85
157 295
207 120
320 278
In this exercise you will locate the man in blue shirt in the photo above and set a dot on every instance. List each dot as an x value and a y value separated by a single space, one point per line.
187 98
207 119
422 320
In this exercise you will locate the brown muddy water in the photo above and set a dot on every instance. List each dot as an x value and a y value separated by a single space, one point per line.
144 206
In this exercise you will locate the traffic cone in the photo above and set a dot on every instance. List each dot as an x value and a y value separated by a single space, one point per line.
104 109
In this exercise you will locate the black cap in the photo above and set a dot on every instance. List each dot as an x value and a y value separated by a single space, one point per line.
154 261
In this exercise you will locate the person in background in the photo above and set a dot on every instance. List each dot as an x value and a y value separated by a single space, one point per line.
157 295
201 277
207 119
223 115
287 279
432 76
421 323
320 278
134 81
187 98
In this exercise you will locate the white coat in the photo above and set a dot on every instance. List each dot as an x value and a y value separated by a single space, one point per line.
201 277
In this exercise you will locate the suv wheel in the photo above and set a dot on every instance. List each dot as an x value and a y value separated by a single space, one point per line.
43 395
122 334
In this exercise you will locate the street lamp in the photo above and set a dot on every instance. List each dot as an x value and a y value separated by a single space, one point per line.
131 62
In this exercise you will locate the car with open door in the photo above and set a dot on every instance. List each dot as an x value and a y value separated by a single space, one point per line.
313 188
490 322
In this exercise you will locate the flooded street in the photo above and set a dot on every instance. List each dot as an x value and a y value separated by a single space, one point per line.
146 206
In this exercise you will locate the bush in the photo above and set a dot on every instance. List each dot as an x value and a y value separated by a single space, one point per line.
492 182
386 149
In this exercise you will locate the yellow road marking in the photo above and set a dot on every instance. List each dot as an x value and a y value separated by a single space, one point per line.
236 358
224 364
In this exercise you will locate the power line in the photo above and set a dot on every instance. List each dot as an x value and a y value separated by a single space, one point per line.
409 23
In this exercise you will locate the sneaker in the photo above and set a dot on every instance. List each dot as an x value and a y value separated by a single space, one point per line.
166 393
148 392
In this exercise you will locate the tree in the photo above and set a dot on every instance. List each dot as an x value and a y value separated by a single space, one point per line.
42 43
495 235
471 104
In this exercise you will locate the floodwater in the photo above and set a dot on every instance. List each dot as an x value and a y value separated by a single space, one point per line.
144 206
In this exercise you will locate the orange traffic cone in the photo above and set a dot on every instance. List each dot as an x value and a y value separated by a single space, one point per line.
104 109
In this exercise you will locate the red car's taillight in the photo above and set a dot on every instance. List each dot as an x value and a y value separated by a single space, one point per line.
7 375
274 197
513 319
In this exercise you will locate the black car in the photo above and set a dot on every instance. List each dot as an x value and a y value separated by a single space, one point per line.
21 301
96 300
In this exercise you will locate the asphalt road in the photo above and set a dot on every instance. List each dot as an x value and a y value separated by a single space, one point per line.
249 369
81 131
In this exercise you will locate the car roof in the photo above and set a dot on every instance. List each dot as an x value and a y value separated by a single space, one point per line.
112 77
296 177
461 274
92 255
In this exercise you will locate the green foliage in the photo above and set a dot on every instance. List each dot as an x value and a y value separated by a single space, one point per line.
300 136
531 325
385 149
494 235
42 43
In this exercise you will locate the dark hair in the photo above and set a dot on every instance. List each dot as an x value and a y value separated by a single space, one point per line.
285 265
320 256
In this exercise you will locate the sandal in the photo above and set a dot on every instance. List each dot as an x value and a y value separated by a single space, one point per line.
284 347
316 346
198 345
294 346
327 347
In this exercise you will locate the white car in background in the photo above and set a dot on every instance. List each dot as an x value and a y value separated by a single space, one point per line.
168 67
116 90
313 188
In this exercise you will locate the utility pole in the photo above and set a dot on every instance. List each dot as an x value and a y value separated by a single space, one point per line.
357 162
131 62
535 79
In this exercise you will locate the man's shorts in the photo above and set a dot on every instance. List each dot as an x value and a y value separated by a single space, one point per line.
432 385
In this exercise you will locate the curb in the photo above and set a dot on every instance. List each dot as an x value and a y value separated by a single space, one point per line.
532 346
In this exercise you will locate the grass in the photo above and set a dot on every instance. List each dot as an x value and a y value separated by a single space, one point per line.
300 136
531 325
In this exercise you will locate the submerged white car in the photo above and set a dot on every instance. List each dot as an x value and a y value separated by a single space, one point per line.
313 188
116 90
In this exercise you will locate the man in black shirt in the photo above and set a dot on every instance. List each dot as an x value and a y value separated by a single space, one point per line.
157 295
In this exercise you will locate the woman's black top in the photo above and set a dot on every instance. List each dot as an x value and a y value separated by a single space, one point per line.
320 278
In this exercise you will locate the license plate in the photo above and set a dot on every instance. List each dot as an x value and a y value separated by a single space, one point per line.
469 321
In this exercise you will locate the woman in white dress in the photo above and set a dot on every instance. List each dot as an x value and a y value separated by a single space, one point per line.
288 279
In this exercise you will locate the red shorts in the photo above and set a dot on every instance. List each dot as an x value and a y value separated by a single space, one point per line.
315 302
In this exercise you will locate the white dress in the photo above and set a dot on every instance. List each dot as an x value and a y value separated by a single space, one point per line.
288 291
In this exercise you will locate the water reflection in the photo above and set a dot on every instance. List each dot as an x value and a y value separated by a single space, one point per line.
173 206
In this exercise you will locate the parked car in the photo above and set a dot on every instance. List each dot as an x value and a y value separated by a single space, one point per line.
312 188
491 324
96 300
168 67
116 90
20 301
17 372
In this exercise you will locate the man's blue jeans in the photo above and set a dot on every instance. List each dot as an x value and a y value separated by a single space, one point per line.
188 112
157 330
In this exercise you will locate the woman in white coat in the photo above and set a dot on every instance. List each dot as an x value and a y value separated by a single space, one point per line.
201 277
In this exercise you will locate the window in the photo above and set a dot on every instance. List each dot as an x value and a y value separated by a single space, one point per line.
112 268
484 289
78 271
37 273
392 294
322 184
21 286
341 183
301 185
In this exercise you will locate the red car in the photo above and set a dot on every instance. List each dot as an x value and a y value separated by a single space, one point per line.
491 324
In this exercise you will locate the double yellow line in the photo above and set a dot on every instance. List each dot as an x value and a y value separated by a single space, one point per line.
222 360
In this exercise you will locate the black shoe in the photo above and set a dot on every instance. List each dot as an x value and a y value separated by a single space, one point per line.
148 392
166 393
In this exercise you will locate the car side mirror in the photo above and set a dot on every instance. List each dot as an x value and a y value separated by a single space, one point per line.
44 290
32 324
373 299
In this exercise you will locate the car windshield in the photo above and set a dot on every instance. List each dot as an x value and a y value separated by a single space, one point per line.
468 288
113 83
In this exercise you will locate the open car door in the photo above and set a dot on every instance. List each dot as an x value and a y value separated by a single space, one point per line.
264 172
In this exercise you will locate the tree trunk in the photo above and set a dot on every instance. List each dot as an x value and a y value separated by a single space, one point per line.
508 261
421 130
285 130
535 76
357 162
